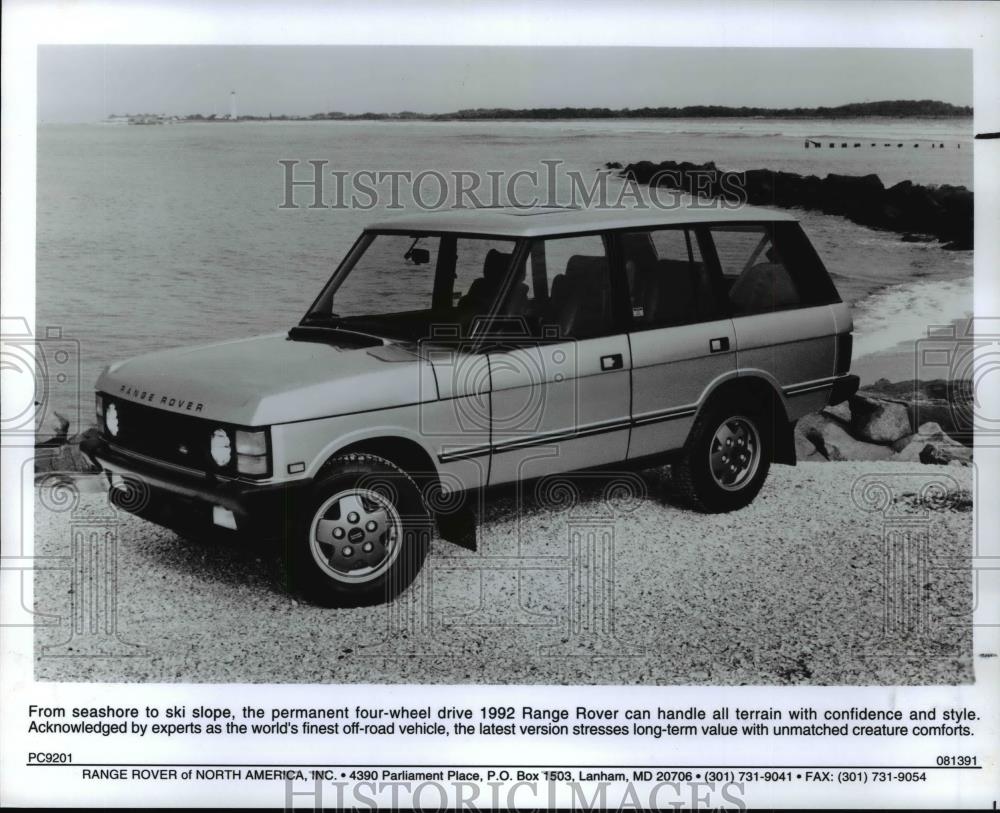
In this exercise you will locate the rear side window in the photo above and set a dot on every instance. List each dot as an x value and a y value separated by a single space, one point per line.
668 281
770 267
811 277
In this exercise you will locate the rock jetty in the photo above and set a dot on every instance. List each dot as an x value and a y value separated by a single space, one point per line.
943 212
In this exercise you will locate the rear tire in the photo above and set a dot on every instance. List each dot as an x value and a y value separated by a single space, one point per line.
359 536
726 459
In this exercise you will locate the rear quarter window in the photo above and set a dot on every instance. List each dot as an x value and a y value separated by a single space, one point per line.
804 264
768 267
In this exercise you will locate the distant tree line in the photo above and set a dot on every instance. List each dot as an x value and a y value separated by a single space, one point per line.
925 108
901 108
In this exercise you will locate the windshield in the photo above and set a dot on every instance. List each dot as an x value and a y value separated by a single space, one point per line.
406 286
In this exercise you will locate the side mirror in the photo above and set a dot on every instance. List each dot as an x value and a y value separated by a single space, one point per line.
418 256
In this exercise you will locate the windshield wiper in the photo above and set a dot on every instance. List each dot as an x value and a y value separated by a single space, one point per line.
374 325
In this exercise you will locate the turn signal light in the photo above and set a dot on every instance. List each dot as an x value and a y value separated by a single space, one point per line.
251 452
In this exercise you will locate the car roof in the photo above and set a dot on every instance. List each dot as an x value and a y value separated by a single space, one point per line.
539 221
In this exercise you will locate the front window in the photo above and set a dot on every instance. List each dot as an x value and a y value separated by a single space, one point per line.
408 286
565 292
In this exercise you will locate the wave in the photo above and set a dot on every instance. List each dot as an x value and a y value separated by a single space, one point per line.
902 313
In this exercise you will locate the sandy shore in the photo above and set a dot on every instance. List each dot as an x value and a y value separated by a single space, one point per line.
790 590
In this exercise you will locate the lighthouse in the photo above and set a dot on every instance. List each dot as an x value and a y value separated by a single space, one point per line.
232 104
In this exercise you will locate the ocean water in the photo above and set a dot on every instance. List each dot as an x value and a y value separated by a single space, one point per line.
153 237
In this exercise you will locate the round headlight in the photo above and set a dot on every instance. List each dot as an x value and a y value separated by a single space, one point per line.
111 419
221 448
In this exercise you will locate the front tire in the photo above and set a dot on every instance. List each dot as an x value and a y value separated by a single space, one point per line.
725 461
359 536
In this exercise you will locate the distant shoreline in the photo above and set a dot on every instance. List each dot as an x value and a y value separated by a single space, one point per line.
901 109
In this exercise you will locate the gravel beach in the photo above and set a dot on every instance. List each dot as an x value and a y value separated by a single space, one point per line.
839 573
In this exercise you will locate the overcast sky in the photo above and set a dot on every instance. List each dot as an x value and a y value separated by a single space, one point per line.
87 83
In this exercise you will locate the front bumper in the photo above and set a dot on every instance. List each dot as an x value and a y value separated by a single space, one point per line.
185 500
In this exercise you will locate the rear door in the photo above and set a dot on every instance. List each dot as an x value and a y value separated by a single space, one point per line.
560 397
681 337
779 296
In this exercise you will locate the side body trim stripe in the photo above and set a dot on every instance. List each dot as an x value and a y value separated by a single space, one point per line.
671 414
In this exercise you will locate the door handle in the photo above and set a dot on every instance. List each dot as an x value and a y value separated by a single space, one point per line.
612 362
719 345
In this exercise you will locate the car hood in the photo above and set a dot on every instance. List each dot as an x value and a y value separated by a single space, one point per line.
272 379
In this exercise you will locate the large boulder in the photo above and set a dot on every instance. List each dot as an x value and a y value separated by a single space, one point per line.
841 411
930 444
830 438
858 197
805 447
759 186
942 401
790 189
839 445
956 225
879 421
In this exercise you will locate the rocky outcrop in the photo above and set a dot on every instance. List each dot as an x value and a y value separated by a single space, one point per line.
944 212
931 445
947 402
881 423
832 441
61 452
65 456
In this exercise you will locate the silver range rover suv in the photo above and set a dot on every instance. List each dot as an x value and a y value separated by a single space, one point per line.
455 351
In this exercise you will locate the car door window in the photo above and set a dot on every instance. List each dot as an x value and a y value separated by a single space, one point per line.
481 267
754 272
567 289
669 283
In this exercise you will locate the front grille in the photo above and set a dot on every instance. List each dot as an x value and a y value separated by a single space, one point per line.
164 435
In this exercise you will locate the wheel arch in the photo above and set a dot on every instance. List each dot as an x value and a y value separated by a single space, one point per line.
401 451
764 393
